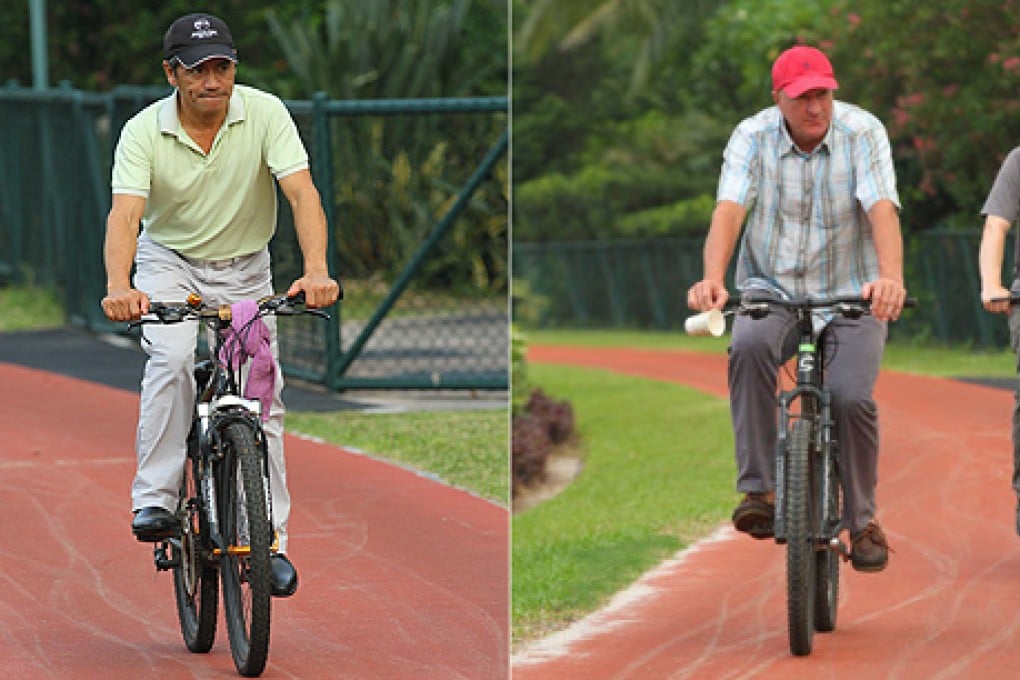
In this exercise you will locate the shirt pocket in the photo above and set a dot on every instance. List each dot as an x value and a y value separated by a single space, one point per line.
839 202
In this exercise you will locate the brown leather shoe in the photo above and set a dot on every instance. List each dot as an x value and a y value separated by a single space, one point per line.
755 515
870 549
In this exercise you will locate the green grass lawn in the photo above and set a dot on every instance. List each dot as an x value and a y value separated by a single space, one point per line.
465 448
658 473
29 309
906 356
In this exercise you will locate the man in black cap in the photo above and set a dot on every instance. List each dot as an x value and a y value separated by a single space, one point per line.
199 171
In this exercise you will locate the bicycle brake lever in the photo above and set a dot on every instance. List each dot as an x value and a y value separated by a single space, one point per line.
758 310
850 311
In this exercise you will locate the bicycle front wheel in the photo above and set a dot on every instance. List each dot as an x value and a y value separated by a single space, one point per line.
800 543
244 523
196 584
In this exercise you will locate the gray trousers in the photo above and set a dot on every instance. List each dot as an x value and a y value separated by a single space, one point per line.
168 386
853 351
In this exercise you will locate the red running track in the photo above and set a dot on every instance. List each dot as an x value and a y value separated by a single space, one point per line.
400 576
948 605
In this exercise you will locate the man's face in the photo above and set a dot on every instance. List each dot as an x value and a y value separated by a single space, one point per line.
205 89
807 116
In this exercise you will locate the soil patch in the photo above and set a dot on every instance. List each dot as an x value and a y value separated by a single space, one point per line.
562 466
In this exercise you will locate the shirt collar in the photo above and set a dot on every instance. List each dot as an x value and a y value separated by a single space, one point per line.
789 147
170 122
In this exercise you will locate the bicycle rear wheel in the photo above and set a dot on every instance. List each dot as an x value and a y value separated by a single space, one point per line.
244 523
827 560
800 543
196 583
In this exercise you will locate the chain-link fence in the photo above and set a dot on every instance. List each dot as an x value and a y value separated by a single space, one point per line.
643 284
415 192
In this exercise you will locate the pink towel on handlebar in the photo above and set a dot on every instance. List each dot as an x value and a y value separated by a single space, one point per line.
248 338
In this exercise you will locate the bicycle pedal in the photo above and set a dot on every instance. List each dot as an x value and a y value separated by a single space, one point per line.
160 558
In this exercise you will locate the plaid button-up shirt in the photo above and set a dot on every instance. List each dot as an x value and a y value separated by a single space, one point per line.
807 231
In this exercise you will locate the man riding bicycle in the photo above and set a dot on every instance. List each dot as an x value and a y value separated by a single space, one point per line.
199 171
814 179
1001 209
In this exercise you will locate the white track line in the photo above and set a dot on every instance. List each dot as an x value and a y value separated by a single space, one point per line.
614 614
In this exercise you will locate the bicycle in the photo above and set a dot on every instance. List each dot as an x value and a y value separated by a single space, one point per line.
808 494
225 507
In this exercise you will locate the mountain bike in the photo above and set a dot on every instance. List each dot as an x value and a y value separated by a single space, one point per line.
808 494
225 507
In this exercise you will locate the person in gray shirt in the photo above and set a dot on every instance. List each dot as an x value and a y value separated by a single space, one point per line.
1001 210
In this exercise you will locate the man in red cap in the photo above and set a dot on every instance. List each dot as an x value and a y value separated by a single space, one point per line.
814 180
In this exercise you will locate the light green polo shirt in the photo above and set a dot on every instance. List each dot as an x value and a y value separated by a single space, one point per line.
217 205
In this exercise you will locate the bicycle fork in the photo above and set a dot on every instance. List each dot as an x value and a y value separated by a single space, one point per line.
825 447
828 448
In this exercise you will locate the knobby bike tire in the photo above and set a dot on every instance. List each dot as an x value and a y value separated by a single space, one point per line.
800 544
827 561
245 522
196 581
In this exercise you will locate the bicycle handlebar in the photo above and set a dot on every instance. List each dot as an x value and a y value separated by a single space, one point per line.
848 305
195 308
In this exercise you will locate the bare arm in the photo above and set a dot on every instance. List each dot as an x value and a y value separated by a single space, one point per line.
710 292
122 302
887 292
310 224
993 243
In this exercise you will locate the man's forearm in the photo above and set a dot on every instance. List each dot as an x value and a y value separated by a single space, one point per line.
309 221
993 245
885 225
727 219
310 225
118 255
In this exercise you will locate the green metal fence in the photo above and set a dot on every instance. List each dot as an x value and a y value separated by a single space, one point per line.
643 284
402 325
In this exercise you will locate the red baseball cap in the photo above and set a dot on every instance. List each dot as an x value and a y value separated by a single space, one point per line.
800 69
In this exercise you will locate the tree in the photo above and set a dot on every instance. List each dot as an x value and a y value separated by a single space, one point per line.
400 173
949 100
99 44
642 33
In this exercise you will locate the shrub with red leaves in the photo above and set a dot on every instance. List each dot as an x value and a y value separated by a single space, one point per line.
556 416
544 424
529 448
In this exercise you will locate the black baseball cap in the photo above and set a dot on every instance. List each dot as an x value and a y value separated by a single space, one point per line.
195 38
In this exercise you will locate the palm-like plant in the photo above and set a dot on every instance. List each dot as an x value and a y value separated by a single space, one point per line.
396 174
647 29
370 49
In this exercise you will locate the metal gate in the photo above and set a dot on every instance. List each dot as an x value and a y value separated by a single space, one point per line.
403 329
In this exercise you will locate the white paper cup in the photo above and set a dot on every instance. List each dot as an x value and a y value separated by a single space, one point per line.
711 322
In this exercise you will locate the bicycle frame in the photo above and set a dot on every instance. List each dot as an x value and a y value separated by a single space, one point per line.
808 513
218 403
